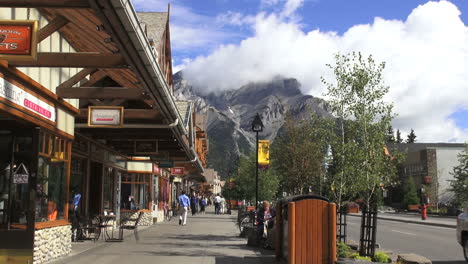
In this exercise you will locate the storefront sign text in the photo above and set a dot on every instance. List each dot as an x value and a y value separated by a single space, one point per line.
18 39
177 171
105 116
24 99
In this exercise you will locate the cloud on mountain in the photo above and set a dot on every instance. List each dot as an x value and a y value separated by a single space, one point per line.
426 62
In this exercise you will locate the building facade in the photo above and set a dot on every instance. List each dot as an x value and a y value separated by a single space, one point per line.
91 116
430 165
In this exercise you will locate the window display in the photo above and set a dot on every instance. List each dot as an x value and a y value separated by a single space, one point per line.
51 186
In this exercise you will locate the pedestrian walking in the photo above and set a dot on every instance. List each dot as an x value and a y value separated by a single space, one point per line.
265 221
217 203
193 203
203 203
223 205
184 205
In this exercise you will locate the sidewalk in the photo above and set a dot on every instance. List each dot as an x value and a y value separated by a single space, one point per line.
416 219
207 239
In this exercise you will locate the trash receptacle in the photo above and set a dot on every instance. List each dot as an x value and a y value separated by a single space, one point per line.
306 230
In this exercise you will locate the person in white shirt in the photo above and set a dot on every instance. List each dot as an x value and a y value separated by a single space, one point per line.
217 203
223 205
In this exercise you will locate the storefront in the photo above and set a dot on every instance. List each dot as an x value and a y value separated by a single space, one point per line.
36 131
95 175
136 191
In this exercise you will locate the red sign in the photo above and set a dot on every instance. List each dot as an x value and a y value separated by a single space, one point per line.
177 171
15 39
156 169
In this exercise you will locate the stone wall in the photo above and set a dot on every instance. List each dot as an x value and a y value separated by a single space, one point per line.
146 219
51 243
159 217
431 190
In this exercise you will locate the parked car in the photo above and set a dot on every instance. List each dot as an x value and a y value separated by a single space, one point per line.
462 231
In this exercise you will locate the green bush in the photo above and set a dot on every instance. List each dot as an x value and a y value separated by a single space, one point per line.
382 257
356 256
342 250
410 195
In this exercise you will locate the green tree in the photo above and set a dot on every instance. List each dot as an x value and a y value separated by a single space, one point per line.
459 185
411 138
357 95
298 156
410 193
398 136
244 181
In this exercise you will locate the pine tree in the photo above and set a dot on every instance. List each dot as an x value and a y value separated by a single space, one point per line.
410 196
398 136
390 135
411 137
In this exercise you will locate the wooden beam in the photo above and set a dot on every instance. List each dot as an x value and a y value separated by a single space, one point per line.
131 114
99 92
74 60
54 25
76 78
45 3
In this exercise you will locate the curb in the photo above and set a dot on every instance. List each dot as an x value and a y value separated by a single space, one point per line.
411 221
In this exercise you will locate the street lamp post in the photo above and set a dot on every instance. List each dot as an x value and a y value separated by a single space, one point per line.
257 126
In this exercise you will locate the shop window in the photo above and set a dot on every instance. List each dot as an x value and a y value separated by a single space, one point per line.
51 188
135 191
77 172
15 166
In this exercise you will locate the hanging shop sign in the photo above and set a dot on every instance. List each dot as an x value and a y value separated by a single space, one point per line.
166 164
105 116
21 175
18 96
263 153
160 156
177 171
156 169
18 40
146 147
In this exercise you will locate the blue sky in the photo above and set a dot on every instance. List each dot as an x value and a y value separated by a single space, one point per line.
425 45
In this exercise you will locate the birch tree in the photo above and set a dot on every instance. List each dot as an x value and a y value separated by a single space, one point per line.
356 98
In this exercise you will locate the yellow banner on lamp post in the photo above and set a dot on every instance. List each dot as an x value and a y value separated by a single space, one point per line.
263 153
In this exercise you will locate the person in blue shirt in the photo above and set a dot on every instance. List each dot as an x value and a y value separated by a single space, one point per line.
184 205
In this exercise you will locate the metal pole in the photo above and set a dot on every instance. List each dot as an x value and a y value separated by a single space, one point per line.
256 176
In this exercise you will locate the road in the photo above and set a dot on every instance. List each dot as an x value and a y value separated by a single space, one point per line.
438 244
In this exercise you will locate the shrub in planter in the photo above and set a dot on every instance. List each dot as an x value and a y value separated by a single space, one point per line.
382 258
356 256
343 250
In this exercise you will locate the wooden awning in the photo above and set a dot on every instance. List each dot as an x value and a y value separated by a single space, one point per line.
119 68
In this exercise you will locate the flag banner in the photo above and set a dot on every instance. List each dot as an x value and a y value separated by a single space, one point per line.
263 153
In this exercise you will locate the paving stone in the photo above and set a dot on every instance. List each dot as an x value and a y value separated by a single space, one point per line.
413 259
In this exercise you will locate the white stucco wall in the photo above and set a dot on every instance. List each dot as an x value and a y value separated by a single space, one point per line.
50 78
447 159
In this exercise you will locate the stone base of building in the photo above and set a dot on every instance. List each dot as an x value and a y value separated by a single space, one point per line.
158 217
146 219
51 243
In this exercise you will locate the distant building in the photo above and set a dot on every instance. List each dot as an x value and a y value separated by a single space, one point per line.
430 164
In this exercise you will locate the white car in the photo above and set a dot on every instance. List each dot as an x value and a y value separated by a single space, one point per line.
462 231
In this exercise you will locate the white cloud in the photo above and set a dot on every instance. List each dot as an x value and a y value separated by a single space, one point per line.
291 6
235 19
189 30
426 56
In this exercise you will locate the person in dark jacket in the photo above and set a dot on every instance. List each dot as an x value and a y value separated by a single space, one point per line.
193 203
265 216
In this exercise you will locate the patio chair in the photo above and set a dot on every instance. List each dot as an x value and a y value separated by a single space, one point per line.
124 225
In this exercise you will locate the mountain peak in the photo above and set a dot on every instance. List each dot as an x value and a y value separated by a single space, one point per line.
230 113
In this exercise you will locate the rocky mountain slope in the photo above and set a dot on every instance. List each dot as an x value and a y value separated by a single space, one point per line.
230 114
